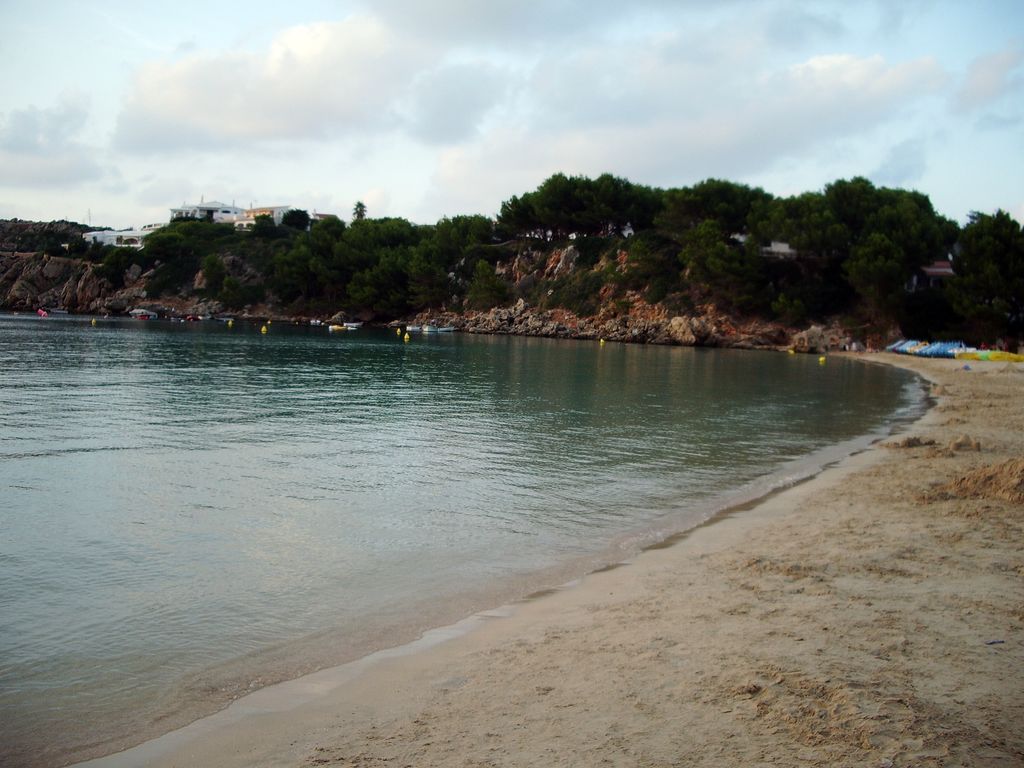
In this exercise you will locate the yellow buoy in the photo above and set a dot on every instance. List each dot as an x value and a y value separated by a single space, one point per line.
263 329
821 360
230 323
94 321
792 351
398 331
602 342
406 337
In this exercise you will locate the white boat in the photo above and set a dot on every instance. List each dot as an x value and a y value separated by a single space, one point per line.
143 314
428 328
353 326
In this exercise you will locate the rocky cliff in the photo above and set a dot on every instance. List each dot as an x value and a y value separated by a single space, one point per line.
644 324
29 281
22 236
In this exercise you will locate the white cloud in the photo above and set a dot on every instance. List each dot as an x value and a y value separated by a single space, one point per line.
317 81
524 24
39 147
447 104
685 125
989 79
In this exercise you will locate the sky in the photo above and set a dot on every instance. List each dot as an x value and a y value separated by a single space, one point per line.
112 112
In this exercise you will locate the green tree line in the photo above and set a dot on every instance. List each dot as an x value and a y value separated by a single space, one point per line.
850 249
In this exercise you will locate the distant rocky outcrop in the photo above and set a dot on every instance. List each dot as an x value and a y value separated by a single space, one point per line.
29 281
19 236
649 324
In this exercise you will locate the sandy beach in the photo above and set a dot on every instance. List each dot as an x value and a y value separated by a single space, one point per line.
869 617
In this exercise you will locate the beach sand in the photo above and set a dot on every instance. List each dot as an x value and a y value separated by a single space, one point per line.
869 617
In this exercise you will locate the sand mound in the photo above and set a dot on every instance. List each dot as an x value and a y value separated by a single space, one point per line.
999 481
909 442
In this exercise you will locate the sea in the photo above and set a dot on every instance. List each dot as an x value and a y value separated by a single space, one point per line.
191 511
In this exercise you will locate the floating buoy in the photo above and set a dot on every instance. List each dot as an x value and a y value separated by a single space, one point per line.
94 321
821 360
406 337
269 322
263 329
792 351
602 342
230 323
398 331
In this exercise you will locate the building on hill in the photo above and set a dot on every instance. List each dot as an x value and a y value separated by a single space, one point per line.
222 213
933 275
212 211
248 218
121 238
215 211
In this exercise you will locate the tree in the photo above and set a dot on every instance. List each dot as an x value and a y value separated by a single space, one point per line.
726 203
264 228
214 272
988 286
877 269
731 273
293 276
359 211
487 289
296 219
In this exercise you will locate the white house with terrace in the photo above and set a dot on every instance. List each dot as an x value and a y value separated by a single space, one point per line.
122 238
221 213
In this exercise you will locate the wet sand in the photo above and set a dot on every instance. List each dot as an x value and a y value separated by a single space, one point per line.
869 617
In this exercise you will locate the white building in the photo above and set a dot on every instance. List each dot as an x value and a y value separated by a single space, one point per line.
248 219
222 213
122 238
212 211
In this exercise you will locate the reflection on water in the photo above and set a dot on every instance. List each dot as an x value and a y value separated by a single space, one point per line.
175 497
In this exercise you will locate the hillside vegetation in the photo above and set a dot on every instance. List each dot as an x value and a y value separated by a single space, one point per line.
607 246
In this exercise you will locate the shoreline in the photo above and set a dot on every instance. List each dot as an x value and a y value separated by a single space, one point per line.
523 687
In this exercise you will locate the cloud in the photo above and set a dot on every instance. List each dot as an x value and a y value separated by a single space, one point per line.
794 26
525 24
39 147
316 81
989 79
448 104
681 121
905 164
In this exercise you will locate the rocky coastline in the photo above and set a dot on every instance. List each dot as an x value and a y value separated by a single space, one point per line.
644 324
29 281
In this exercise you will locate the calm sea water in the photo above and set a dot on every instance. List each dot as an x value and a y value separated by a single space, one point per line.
191 511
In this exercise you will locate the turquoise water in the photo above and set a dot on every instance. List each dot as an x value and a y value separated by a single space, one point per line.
188 511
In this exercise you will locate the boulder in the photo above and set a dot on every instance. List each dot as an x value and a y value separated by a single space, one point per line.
812 340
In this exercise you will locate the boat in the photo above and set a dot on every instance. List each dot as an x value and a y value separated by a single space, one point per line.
446 329
428 328
143 314
334 327
353 326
